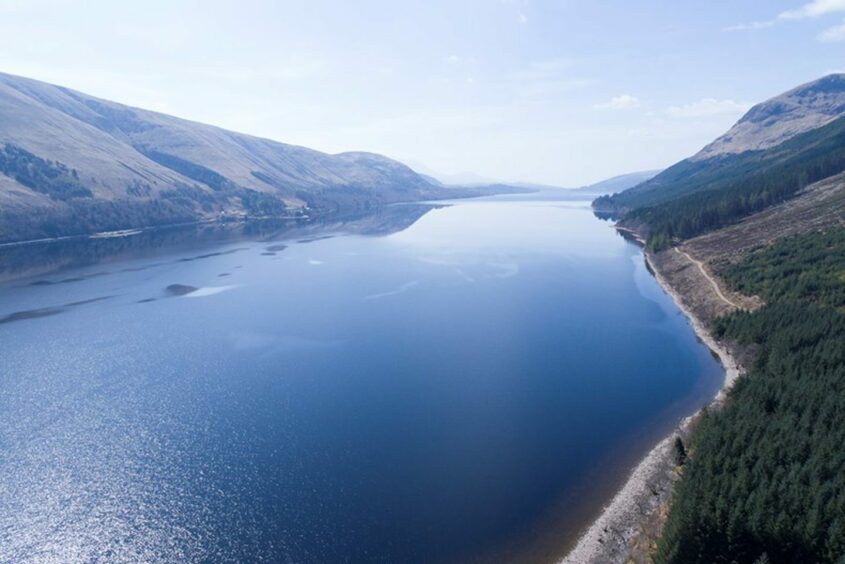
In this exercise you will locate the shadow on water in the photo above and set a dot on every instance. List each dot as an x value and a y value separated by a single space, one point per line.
312 239
45 257
632 238
211 255
47 311
180 290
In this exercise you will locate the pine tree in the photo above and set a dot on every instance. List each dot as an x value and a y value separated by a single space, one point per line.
680 452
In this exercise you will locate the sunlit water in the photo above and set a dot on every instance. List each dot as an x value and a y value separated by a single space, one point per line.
471 387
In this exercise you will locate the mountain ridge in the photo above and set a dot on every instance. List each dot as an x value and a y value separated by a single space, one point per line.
770 123
73 164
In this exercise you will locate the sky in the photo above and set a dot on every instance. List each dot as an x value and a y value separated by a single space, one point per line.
547 91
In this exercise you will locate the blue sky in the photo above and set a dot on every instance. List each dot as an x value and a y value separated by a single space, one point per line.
560 92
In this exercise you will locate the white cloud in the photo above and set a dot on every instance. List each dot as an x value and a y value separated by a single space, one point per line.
814 9
622 102
707 107
523 19
749 26
833 34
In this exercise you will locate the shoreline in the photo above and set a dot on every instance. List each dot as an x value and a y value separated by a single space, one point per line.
650 482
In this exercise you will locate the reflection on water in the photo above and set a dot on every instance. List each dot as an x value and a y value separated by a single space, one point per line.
42 257
421 384
606 215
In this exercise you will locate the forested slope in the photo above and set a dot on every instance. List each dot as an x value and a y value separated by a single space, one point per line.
765 479
762 207
694 197
775 151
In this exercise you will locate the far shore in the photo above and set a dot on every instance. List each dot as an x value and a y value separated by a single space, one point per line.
608 538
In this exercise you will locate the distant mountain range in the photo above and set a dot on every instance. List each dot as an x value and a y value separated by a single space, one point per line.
618 183
777 149
609 186
76 164
450 179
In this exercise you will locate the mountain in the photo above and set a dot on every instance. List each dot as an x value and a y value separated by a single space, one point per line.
778 148
76 164
618 183
769 124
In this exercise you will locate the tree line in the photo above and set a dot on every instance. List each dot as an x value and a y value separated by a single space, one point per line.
764 479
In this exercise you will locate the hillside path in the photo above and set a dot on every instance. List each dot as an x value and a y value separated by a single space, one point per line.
712 281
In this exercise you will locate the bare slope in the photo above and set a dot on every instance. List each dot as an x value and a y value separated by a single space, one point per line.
692 268
72 163
817 207
774 121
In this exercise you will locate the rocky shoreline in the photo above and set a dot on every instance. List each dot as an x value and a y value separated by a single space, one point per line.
630 523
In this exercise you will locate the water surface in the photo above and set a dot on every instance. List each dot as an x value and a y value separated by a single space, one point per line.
437 384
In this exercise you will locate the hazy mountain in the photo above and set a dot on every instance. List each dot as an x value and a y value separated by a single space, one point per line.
618 183
450 179
72 163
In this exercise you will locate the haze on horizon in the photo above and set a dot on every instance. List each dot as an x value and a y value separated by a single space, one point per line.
561 93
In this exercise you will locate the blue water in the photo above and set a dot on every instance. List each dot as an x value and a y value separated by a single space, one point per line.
469 387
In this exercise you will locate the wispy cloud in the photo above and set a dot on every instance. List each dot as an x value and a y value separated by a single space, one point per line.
707 107
638 132
814 9
833 34
541 70
457 60
542 79
749 26
621 102
521 8
294 68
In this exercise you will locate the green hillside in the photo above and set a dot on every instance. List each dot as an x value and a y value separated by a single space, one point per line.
694 197
766 475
